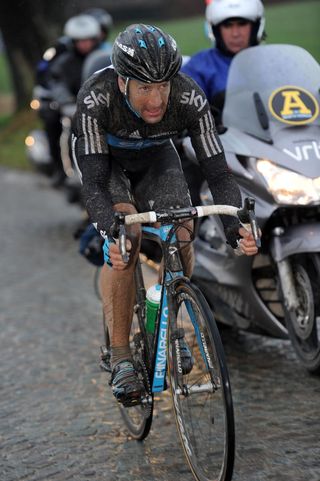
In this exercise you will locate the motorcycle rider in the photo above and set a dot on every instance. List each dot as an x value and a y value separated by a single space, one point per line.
123 133
64 43
62 80
232 25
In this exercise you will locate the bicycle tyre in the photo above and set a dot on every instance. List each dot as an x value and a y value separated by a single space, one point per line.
205 420
138 419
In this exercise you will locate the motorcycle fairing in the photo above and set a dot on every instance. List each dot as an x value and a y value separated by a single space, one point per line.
297 239
261 71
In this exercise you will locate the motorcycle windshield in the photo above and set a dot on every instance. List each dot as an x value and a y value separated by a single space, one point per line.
271 87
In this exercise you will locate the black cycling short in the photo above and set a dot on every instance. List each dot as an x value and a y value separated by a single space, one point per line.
150 178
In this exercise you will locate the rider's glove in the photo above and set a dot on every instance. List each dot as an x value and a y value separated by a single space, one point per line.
233 236
106 249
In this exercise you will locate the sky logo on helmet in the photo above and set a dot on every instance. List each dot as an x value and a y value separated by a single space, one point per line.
142 43
126 49
161 42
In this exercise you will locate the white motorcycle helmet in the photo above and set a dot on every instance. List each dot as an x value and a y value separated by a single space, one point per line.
218 11
82 27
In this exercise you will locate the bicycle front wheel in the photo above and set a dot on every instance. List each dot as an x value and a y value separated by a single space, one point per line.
202 400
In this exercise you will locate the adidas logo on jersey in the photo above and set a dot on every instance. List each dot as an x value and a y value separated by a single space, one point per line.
135 135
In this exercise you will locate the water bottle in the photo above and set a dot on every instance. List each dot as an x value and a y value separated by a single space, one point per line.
153 297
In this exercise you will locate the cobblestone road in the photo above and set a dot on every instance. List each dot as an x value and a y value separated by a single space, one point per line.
57 419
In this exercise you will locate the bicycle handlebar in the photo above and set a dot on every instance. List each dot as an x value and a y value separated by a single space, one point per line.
246 217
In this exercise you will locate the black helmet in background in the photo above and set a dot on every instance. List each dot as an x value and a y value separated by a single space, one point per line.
103 18
146 53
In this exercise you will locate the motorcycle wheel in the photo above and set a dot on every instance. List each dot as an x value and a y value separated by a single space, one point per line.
303 322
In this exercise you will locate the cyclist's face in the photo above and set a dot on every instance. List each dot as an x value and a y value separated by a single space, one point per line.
148 100
236 34
85 46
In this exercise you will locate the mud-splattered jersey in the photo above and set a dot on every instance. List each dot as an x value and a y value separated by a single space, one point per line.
104 119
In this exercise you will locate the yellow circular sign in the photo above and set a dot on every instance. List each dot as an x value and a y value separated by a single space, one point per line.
293 105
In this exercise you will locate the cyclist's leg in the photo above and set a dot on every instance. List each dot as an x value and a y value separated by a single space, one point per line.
187 252
118 295
117 288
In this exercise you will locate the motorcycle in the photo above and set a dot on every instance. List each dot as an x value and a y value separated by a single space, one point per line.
37 144
271 140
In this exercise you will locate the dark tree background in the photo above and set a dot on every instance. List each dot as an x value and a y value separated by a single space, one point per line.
29 26
26 32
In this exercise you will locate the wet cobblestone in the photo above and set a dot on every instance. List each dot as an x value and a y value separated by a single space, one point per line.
58 421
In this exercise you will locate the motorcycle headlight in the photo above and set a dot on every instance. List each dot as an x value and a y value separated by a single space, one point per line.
287 187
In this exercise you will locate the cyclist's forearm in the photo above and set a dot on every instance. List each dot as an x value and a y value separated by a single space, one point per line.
221 182
95 174
224 190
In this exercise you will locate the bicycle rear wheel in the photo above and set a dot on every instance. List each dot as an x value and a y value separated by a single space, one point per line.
202 400
138 419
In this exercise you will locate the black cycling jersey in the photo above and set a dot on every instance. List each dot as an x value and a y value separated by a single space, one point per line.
105 123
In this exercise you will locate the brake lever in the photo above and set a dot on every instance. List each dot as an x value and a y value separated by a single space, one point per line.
119 232
123 244
247 215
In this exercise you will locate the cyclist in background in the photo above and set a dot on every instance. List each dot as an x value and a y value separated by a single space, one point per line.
126 118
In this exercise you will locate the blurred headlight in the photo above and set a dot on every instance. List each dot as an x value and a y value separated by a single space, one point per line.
35 104
287 187
29 141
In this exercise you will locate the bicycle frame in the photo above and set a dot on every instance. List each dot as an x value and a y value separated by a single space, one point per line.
173 271
163 235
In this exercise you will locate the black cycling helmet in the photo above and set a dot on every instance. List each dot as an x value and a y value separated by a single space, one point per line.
146 53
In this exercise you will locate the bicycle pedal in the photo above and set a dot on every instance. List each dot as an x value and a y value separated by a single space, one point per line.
105 353
130 404
105 366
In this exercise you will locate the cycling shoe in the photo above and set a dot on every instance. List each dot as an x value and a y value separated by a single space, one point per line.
127 388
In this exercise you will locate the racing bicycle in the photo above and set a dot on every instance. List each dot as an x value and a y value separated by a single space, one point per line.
202 399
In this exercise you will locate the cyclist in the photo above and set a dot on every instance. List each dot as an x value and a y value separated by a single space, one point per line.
232 25
126 118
